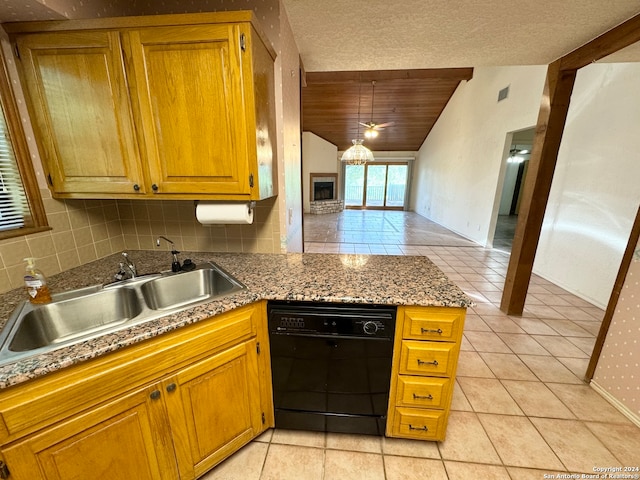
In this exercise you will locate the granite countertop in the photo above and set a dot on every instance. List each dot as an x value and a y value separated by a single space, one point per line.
375 279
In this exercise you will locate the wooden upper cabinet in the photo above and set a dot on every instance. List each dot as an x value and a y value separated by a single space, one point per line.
169 106
189 90
80 111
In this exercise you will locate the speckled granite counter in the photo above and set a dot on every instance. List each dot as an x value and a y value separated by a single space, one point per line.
394 280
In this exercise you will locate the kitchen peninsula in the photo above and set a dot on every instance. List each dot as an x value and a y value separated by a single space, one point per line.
170 371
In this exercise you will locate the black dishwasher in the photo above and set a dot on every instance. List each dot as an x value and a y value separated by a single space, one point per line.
331 365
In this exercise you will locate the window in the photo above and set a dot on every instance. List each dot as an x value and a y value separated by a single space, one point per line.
21 209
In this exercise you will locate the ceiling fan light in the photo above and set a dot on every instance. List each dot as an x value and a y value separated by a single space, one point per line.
370 133
357 154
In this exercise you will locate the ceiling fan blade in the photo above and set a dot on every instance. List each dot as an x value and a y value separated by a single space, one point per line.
383 125
368 125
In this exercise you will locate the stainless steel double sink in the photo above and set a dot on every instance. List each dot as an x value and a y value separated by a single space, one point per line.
78 315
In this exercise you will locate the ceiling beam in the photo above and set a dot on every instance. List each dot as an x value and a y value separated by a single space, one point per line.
551 121
625 34
366 76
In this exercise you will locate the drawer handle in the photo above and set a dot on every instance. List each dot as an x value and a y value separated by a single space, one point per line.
155 395
422 397
427 330
422 428
422 362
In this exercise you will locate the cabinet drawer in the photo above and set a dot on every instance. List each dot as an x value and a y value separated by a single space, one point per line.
419 423
428 358
439 324
423 392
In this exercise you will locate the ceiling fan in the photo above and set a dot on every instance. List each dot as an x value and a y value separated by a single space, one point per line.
372 127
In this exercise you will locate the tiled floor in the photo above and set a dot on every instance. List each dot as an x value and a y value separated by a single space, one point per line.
520 407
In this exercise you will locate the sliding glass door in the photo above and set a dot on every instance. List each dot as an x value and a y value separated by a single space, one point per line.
376 185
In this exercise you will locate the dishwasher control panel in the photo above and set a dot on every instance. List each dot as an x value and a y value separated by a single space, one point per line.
303 318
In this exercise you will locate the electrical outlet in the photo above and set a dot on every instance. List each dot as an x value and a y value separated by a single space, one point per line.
290 216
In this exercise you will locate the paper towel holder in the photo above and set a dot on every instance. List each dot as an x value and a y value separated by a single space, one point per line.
252 204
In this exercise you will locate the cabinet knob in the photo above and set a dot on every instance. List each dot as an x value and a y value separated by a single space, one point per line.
154 187
171 387
155 395
136 187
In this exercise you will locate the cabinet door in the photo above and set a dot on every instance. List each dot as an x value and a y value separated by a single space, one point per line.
81 111
214 407
127 438
188 86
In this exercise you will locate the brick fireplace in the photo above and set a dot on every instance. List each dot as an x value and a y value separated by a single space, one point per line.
324 194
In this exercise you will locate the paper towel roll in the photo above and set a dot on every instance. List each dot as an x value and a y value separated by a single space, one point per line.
212 213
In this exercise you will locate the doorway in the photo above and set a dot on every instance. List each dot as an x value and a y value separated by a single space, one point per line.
516 165
376 186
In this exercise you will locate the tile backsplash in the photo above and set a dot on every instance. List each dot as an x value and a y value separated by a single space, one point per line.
85 230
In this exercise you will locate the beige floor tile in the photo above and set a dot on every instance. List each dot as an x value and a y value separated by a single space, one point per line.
409 448
548 369
487 395
578 366
543 311
401 468
466 471
290 462
534 326
518 442
567 328
621 440
574 444
487 342
245 464
583 343
502 324
507 366
467 441
531 474
559 346
358 443
522 344
459 401
465 345
587 404
339 464
470 364
593 327
473 323
265 437
298 437
536 400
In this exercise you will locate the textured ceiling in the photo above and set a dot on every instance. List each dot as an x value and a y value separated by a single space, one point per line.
334 35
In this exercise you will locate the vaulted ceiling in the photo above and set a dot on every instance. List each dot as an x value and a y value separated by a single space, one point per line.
334 102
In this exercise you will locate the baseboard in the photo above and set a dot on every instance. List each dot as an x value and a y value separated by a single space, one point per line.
634 417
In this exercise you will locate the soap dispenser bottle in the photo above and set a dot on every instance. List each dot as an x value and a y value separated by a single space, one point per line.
36 283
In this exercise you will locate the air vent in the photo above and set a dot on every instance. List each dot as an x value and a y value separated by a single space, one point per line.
502 94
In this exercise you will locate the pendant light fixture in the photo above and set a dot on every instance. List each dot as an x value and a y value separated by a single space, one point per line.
357 154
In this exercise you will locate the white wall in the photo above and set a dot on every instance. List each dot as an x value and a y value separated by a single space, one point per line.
318 156
595 194
457 180
287 74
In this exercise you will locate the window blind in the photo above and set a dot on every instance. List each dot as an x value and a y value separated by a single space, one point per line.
14 207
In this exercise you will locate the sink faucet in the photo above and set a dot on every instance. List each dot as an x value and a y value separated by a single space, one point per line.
130 265
175 264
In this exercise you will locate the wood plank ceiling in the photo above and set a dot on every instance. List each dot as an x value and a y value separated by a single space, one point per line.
411 99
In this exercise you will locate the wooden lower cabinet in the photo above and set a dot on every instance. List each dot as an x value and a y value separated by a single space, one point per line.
128 437
176 426
214 408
